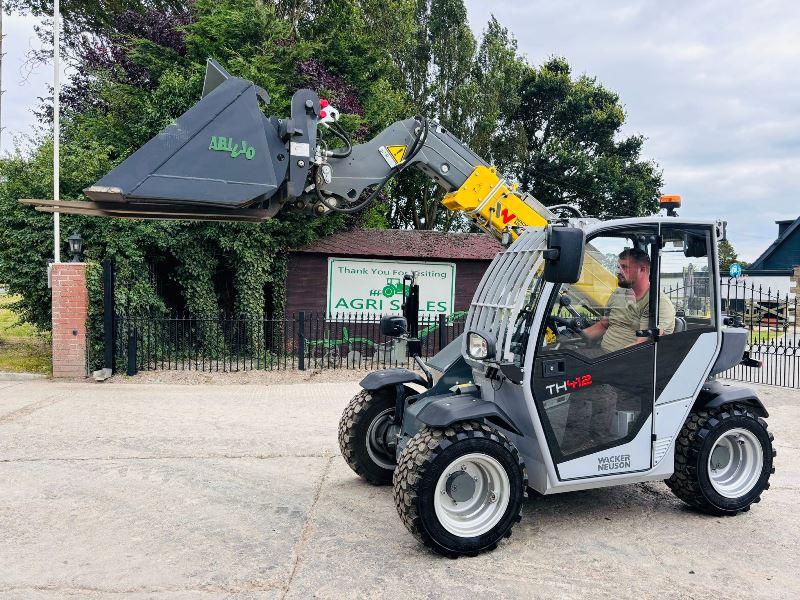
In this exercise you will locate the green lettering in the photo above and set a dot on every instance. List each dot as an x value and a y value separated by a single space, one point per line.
341 303
225 144
372 303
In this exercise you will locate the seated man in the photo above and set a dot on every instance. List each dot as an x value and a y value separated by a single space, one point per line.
628 308
591 412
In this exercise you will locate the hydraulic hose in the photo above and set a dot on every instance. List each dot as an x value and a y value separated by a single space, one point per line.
419 141
337 130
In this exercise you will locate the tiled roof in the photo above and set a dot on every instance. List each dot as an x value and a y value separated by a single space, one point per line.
407 243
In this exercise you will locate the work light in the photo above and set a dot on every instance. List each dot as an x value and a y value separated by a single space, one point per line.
479 347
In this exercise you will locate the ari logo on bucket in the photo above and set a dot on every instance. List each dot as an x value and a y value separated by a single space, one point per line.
225 144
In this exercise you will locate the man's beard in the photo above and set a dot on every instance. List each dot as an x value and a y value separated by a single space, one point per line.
624 283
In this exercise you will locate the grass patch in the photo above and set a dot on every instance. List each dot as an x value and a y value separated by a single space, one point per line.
764 336
23 348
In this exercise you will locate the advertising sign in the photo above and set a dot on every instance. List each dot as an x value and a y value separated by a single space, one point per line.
372 287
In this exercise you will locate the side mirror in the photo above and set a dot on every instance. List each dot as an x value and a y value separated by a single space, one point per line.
393 325
563 259
695 246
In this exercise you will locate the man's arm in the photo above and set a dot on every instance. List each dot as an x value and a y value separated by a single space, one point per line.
666 315
595 331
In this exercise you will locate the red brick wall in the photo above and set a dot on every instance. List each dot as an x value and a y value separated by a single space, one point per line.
70 301
307 281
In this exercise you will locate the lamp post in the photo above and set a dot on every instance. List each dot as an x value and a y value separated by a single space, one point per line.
56 131
76 247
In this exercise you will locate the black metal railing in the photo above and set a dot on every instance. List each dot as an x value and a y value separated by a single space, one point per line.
771 320
313 341
228 343
768 315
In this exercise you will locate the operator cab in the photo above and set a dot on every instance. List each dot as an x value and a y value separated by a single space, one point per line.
635 329
597 375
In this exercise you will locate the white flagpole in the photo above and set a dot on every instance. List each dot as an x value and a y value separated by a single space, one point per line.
56 132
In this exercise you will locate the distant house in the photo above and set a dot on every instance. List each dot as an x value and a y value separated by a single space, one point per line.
775 267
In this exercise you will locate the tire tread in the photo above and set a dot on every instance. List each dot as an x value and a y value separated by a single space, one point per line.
348 438
699 424
420 452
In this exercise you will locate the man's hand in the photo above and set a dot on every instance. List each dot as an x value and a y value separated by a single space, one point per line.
595 331
641 340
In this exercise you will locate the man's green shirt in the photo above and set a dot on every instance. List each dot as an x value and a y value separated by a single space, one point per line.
626 315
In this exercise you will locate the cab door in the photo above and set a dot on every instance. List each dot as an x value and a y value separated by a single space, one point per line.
595 396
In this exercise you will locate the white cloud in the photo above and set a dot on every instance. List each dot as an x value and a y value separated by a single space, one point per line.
21 85
712 85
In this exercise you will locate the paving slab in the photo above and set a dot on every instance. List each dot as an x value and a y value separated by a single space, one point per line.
106 420
615 542
192 491
159 525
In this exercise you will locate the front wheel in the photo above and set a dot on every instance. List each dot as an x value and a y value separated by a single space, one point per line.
367 435
723 460
459 490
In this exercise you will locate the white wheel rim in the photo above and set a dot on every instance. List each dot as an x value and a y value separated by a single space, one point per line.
374 447
735 463
487 503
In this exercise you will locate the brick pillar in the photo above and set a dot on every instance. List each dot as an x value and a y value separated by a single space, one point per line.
70 302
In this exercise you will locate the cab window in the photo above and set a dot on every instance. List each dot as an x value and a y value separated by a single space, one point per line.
603 311
686 276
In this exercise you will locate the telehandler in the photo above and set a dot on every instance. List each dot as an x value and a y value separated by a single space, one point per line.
576 370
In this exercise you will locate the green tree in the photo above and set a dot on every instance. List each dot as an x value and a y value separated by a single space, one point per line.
140 64
727 256
140 75
571 151
438 67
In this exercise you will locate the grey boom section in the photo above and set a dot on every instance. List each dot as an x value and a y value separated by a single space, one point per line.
443 157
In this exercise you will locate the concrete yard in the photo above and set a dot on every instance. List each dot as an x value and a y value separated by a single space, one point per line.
238 491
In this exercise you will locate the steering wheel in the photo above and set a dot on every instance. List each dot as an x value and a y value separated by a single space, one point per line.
571 325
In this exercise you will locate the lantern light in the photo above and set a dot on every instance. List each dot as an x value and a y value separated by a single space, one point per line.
76 247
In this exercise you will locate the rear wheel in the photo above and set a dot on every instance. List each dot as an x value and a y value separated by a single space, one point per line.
723 460
367 435
459 490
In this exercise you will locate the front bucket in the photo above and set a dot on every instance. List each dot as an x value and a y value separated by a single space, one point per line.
221 153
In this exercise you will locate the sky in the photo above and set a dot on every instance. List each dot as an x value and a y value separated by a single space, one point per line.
714 86
21 85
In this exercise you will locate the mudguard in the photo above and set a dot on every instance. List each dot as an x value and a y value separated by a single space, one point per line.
379 379
734 341
714 394
447 409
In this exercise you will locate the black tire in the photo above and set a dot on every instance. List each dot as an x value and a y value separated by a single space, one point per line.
423 461
354 429
691 481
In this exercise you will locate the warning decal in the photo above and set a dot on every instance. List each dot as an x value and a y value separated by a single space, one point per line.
398 152
393 155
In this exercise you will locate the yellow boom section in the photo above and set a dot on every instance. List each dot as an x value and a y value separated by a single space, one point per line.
492 205
497 209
